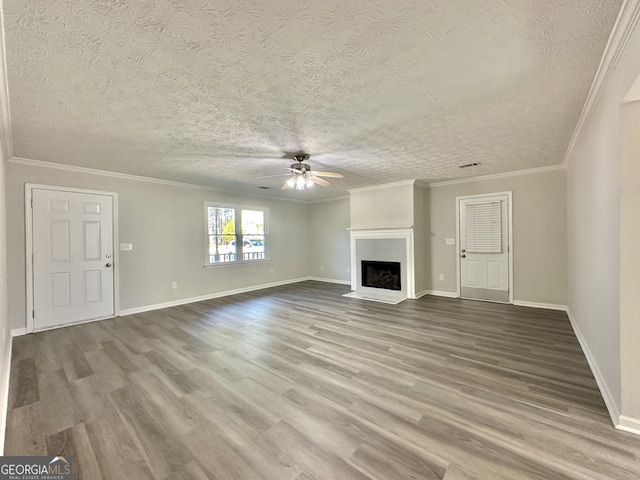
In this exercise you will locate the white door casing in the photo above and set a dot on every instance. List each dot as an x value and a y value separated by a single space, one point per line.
72 256
484 247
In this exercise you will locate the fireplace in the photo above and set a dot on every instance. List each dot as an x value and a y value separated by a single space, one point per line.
385 275
382 266
383 220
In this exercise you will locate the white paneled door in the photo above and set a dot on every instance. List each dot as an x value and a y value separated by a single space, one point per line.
484 224
72 244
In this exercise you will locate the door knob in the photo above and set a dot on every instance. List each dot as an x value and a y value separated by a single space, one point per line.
108 265
463 256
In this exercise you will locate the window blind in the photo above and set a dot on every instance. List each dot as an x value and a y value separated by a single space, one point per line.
484 227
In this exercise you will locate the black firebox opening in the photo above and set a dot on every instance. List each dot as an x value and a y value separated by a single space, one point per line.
381 275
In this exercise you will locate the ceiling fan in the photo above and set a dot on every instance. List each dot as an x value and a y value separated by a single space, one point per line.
301 175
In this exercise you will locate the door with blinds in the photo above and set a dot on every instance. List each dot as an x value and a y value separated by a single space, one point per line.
484 250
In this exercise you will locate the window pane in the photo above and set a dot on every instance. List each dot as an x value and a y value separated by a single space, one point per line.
221 249
253 247
221 220
252 222
252 234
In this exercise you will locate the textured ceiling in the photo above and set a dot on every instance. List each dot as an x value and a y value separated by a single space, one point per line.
215 93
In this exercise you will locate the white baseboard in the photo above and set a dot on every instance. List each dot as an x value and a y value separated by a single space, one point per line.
226 293
16 332
4 394
329 280
521 303
438 293
609 400
628 424
547 306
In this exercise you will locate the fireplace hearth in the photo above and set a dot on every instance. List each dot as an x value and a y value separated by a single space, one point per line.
384 275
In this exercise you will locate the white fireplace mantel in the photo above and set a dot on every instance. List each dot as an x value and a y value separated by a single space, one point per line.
404 233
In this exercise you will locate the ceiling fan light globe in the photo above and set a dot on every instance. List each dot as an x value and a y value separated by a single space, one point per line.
291 182
300 183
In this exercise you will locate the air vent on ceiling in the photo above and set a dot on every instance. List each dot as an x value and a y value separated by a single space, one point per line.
264 188
474 164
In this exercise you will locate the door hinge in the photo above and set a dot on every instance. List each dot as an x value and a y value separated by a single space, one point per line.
32 203
33 314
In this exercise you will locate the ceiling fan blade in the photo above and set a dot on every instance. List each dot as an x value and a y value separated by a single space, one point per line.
320 181
285 186
328 174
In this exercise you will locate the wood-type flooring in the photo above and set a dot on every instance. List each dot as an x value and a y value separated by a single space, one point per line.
299 383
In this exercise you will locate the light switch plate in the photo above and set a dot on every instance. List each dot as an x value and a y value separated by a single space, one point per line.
125 247
451 241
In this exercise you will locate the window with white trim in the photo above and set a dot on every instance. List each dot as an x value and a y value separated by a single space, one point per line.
234 234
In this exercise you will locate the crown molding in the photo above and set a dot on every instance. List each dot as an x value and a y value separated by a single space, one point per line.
5 116
138 178
384 185
332 199
517 173
622 30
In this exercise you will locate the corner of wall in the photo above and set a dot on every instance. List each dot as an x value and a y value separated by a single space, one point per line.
609 399
628 424
5 154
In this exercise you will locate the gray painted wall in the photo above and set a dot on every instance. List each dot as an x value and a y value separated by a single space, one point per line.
593 229
422 239
630 262
165 224
304 238
328 249
5 337
539 234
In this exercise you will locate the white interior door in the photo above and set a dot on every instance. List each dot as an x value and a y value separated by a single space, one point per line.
484 247
72 242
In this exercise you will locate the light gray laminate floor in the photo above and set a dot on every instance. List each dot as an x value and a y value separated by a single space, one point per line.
297 382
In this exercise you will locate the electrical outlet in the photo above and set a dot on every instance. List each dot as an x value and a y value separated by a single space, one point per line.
588 317
348 270
321 267
174 285
272 271
441 276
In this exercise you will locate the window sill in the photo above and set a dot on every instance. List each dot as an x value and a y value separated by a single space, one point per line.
237 263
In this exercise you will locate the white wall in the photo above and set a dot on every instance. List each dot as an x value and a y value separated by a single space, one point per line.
539 234
328 248
593 232
165 224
